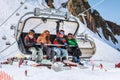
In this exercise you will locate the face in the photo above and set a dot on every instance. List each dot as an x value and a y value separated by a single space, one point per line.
61 34
47 33
31 35
70 36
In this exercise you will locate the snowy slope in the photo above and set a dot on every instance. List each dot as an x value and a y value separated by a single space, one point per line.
109 42
103 50
72 74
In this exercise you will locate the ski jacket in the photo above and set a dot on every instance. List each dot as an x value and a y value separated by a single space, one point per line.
71 42
58 40
29 42
61 41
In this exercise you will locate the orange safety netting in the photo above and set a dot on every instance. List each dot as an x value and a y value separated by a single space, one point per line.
5 76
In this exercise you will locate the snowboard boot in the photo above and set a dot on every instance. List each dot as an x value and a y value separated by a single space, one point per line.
58 59
74 59
81 64
64 58
48 58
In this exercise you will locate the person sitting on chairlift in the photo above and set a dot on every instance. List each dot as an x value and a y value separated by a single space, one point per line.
30 41
44 38
73 48
61 52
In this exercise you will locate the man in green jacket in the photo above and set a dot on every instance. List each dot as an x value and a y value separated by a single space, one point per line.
73 48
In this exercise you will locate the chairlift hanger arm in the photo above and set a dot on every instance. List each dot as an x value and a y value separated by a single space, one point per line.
26 16
17 31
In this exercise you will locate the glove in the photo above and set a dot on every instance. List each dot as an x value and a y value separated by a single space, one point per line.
67 47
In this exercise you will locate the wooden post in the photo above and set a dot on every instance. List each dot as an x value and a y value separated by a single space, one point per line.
20 62
25 72
93 67
101 66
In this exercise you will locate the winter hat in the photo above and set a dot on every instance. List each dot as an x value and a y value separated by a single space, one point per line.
32 31
69 33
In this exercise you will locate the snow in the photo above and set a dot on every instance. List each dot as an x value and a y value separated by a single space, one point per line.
103 50
105 54
109 42
43 73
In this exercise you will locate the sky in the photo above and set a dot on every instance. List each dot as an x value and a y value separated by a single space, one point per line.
109 9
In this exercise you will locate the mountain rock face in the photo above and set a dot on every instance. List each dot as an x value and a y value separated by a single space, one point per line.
93 19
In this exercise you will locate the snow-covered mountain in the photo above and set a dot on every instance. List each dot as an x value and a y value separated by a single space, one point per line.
108 31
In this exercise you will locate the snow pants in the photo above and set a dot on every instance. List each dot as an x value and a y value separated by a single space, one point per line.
34 53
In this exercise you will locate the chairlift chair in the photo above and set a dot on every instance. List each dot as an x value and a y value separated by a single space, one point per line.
41 20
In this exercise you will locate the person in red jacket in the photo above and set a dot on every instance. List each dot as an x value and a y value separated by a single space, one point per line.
61 44
30 41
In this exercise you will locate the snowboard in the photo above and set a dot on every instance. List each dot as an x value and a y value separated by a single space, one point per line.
73 64
45 63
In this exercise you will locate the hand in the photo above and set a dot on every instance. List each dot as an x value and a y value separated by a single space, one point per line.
66 46
42 43
57 22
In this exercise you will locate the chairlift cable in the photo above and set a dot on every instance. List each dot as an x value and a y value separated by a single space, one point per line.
91 7
13 13
88 10
37 25
3 57
8 47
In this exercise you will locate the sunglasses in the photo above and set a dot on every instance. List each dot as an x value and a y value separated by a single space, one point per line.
62 33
